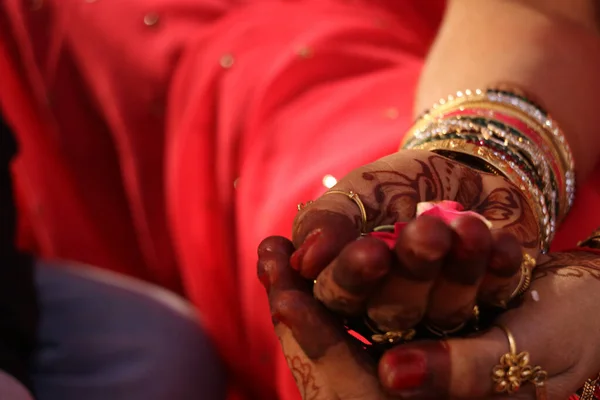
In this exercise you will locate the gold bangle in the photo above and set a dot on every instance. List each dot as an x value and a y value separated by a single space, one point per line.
531 113
525 281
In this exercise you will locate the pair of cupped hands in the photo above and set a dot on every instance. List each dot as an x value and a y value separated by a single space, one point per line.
434 274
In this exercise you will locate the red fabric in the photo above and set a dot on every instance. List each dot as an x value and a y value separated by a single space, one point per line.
133 136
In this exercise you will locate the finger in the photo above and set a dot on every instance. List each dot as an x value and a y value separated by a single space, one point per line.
274 253
421 248
462 368
303 324
320 234
455 291
503 271
345 284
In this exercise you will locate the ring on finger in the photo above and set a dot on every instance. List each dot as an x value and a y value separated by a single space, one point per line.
525 280
514 370
301 206
447 332
356 199
389 337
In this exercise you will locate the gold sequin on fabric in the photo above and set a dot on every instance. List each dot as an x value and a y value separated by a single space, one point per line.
151 19
305 52
227 61
392 113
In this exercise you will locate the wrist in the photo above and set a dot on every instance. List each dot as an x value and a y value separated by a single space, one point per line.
536 51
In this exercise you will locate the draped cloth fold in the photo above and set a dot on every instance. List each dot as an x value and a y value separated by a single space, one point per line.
165 138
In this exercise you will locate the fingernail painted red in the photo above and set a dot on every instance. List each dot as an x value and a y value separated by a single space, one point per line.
309 241
402 370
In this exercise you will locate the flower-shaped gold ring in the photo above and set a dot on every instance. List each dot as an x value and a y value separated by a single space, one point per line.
514 371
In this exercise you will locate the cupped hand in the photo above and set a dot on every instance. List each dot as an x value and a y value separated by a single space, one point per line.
557 324
327 363
436 272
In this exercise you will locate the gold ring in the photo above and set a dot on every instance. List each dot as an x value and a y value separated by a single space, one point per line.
302 205
525 281
514 370
356 199
447 332
391 337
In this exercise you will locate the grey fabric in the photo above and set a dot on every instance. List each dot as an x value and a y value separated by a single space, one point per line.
106 337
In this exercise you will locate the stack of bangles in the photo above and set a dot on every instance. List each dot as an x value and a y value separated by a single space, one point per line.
503 132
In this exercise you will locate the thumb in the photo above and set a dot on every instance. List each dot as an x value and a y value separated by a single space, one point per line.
462 368
457 368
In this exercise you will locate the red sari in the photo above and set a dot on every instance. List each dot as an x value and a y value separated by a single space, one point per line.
165 138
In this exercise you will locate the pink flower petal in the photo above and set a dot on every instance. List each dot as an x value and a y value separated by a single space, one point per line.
446 210
444 204
388 238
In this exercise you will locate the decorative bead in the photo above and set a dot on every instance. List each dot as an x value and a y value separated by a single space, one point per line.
151 19
305 52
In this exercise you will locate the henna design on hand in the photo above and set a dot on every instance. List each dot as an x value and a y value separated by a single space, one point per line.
507 208
569 265
303 375
439 178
